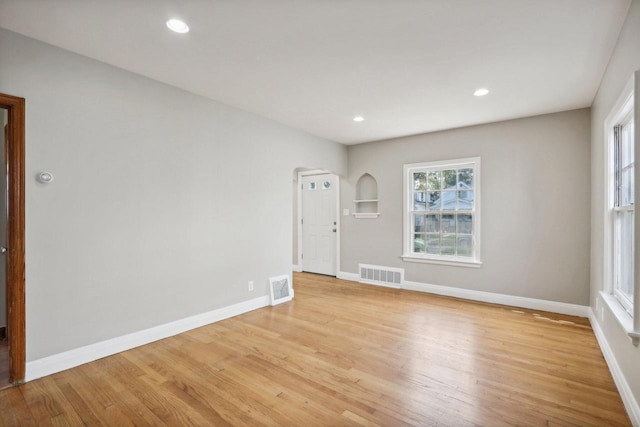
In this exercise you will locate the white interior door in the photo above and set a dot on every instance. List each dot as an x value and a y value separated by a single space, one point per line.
319 223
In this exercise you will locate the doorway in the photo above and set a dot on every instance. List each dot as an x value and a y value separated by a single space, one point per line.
12 232
4 345
319 228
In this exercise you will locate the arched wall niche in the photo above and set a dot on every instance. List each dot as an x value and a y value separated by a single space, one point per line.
366 197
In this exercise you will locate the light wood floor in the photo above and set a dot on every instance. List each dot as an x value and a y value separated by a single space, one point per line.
341 354
4 364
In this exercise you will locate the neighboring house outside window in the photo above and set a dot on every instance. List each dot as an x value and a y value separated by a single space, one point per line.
442 212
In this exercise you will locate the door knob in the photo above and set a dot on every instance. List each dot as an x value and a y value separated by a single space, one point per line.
3 250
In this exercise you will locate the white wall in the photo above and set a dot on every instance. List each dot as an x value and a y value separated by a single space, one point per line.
535 206
164 203
3 230
624 61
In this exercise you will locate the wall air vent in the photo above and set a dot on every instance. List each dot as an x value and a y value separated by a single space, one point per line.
383 276
280 289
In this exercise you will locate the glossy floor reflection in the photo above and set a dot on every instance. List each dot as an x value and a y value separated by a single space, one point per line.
341 354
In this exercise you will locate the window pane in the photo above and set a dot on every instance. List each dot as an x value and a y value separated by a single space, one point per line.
419 201
465 200
442 215
626 149
465 224
624 264
465 178
449 179
624 165
419 181
449 200
418 243
464 245
435 203
433 223
434 180
626 188
433 244
631 185
448 224
448 244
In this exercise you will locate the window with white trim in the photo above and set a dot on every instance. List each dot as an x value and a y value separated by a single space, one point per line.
623 208
442 212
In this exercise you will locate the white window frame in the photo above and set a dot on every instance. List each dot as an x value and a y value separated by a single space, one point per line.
628 316
626 117
407 235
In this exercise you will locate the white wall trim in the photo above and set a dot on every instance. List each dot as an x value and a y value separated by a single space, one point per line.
494 298
79 356
629 400
296 268
624 319
408 209
624 101
354 277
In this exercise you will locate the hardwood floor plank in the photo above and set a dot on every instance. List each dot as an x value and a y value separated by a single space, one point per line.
14 410
4 362
114 393
211 400
151 394
43 400
343 353
84 411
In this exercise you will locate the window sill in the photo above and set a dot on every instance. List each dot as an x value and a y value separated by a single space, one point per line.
440 261
624 319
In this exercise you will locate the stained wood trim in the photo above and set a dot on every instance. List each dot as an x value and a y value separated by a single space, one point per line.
16 330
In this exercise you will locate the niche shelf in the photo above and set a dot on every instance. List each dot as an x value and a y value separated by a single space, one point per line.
366 197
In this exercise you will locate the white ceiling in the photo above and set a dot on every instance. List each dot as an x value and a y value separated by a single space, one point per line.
407 66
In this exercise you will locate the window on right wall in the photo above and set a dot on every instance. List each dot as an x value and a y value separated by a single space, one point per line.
623 207
620 211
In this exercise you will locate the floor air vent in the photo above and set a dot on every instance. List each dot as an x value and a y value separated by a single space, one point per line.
378 275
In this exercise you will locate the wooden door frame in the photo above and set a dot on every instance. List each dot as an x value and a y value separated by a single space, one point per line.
16 330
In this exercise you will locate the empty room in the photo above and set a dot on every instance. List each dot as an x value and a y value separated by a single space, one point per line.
322 213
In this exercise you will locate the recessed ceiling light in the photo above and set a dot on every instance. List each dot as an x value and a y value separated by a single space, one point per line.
358 118
178 26
481 92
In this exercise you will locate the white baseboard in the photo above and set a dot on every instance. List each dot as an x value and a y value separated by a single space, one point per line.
354 277
384 285
296 268
494 298
629 400
79 356
531 303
